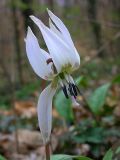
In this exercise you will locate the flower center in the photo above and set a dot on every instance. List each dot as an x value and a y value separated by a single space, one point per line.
67 83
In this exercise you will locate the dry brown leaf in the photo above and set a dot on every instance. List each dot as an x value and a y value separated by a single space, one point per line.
25 108
7 142
29 138
111 102
115 89
82 149
6 113
31 156
117 111
33 139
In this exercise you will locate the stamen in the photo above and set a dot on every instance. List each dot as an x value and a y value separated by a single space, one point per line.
71 90
65 91
71 79
67 78
49 60
74 89
52 66
64 87
61 83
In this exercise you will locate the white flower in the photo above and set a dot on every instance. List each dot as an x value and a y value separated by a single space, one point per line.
55 66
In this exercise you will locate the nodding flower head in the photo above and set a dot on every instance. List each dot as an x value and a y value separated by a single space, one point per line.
55 66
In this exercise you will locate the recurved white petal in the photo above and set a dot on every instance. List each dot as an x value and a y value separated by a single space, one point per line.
54 29
60 52
66 36
60 25
44 110
37 56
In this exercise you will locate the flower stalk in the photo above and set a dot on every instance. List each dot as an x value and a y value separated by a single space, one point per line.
47 151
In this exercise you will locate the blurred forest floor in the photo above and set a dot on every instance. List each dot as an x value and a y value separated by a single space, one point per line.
94 126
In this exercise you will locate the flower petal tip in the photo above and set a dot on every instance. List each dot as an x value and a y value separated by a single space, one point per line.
31 16
47 9
49 12
37 21
29 33
29 30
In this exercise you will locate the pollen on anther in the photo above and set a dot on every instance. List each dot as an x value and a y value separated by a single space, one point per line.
65 91
49 60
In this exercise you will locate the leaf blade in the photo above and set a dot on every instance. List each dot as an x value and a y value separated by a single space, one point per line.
97 98
108 155
68 157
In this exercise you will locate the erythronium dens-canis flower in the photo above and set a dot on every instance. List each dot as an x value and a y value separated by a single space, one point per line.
55 66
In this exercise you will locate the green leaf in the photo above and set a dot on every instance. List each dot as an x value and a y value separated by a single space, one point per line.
81 81
60 157
82 158
116 79
2 158
118 150
90 135
68 157
97 98
64 106
27 90
108 155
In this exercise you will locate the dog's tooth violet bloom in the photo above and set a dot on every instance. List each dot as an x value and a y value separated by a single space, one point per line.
55 66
